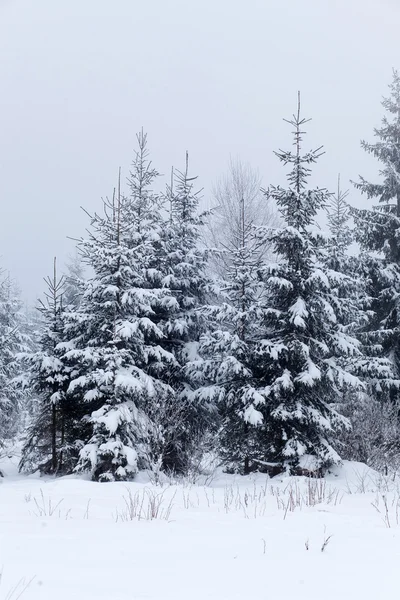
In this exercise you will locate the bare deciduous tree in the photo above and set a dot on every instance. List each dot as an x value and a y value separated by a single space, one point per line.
237 206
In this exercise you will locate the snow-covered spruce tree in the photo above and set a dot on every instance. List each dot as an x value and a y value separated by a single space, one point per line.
349 284
227 371
182 421
344 271
347 287
13 341
378 233
114 348
46 445
302 353
31 324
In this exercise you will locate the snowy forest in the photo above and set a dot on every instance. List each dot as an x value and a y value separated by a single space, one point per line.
258 335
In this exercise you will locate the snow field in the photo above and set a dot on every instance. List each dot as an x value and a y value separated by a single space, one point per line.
236 538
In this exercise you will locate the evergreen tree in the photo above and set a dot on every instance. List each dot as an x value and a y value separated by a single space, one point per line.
305 345
31 325
350 284
338 212
276 363
12 343
184 264
227 371
74 283
46 444
343 270
114 350
386 150
377 231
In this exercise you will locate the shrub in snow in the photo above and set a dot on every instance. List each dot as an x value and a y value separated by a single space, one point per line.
374 436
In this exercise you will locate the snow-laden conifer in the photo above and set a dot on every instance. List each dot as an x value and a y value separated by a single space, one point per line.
182 422
378 233
305 343
345 274
12 343
46 446
114 346
228 370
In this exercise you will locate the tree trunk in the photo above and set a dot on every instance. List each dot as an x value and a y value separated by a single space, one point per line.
60 464
54 438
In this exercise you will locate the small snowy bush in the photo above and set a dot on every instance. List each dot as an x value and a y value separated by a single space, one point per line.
374 438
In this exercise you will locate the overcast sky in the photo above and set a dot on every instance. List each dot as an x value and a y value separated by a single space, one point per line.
78 78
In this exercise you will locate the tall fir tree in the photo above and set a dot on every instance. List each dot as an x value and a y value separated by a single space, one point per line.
378 233
343 269
185 277
119 364
13 341
350 285
305 345
227 370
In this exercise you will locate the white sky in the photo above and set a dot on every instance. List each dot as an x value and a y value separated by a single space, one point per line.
78 79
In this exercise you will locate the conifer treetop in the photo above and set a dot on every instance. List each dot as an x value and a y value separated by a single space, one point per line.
298 205
305 345
338 212
387 151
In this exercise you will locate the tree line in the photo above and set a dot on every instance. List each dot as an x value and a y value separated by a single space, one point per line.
270 347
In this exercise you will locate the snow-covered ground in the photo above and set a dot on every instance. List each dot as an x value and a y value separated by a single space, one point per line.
247 538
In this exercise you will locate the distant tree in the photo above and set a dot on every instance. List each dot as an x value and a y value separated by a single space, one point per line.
12 342
74 281
238 205
338 212
227 369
